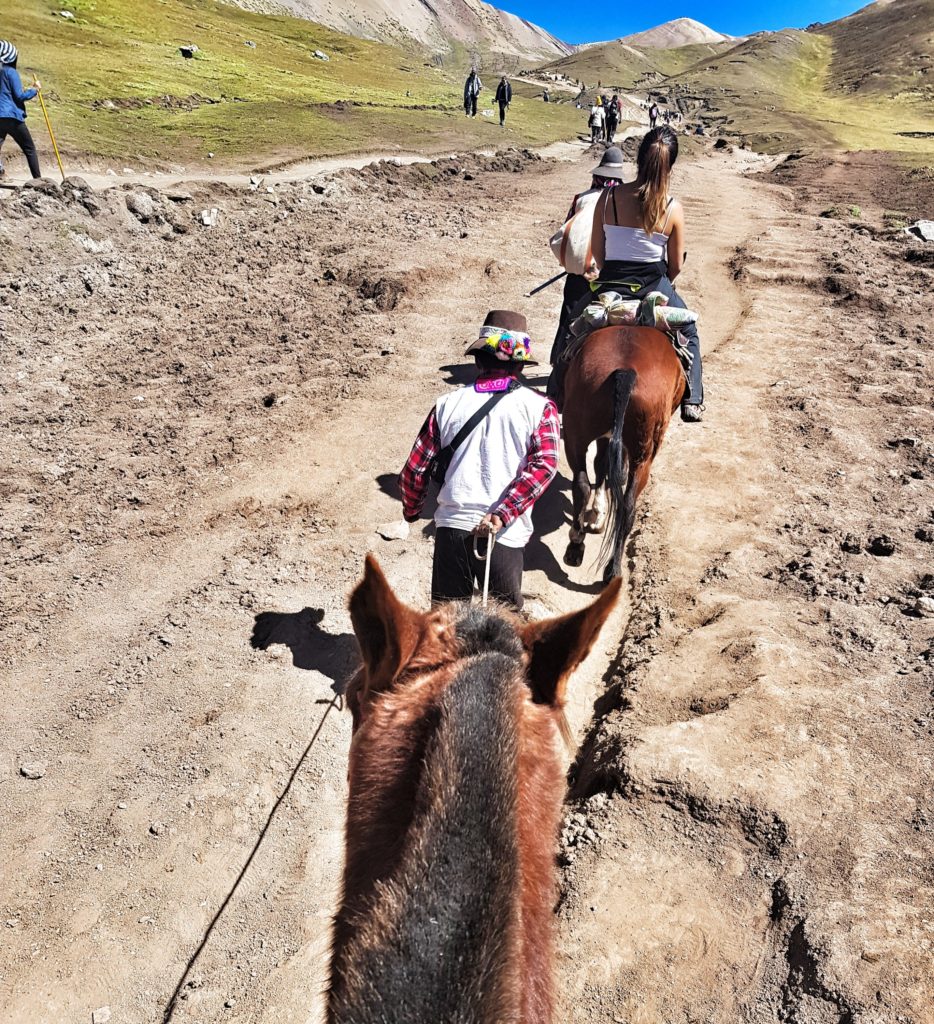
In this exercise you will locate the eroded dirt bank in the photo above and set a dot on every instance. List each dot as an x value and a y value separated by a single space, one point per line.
203 428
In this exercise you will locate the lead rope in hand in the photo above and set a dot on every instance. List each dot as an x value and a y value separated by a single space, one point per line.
487 558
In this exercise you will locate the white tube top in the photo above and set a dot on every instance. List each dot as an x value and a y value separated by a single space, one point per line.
633 244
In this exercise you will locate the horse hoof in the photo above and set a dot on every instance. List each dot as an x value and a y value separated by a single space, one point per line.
609 574
574 555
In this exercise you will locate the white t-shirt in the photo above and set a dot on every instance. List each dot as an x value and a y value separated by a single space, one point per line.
485 465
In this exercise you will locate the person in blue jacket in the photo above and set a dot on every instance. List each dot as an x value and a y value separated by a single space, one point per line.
13 99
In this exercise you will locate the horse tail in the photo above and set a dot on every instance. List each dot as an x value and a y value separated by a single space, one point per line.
619 492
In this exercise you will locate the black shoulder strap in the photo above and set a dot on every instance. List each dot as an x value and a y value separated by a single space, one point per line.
467 429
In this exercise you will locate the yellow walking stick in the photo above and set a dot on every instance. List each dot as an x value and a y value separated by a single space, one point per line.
48 124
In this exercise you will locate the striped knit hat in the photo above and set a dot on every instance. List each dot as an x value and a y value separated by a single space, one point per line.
7 52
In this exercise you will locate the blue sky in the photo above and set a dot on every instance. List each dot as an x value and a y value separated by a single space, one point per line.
577 22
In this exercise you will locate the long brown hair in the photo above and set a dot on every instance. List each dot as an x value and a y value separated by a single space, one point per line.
657 155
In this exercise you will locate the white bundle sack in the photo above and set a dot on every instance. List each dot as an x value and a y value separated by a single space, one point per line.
573 245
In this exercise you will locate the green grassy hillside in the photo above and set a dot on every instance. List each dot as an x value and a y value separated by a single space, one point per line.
886 49
118 87
777 90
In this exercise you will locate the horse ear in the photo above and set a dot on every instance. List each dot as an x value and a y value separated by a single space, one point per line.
557 646
387 630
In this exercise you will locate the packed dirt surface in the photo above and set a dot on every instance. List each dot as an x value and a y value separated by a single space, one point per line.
203 429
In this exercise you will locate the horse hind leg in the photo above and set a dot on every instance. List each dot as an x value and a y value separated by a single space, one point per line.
596 515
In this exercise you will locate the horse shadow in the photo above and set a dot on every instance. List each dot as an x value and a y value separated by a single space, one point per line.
313 648
552 512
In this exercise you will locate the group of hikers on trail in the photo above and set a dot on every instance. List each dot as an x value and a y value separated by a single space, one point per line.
493 446
13 99
502 98
605 115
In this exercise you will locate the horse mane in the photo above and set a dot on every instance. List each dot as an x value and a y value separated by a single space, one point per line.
434 936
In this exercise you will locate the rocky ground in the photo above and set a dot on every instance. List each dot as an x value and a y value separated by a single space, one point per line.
203 425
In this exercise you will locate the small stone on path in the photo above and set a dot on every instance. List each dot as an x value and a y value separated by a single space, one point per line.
101 1015
34 770
394 531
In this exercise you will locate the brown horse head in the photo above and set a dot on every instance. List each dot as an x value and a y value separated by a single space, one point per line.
456 783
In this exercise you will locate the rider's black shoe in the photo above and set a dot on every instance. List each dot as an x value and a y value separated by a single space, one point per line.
692 413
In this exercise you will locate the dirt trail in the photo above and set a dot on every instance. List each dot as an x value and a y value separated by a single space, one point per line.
205 426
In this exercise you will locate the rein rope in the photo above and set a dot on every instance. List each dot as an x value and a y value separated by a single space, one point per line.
487 558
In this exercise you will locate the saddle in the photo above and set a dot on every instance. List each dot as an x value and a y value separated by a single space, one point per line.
611 310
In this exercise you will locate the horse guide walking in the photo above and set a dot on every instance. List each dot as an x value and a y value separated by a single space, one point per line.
493 447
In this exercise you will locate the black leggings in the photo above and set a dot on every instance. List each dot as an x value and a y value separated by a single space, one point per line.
456 570
20 134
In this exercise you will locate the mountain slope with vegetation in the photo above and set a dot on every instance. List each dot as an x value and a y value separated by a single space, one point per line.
885 49
629 67
254 93
782 90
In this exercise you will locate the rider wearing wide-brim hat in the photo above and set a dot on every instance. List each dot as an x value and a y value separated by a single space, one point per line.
13 100
506 457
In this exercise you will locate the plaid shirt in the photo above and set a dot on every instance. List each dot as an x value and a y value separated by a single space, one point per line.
541 464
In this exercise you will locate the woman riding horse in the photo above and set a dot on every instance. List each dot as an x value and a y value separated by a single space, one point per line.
638 243
622 386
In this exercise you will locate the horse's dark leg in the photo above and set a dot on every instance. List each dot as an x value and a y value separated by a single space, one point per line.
580 492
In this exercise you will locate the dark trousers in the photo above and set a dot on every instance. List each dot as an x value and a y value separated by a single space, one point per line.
456 569
470 106
572 309
575 288
502 112
20 134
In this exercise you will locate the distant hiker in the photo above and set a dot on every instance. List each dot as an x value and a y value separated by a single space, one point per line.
638 244
497 471
596 122
13 98
608 174
503 98
472 88
653 115
612 119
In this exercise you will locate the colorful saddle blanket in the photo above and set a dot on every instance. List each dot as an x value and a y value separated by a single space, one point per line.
612 310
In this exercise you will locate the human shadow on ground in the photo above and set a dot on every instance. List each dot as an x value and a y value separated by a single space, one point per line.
459 373
388 483
552 512
313 648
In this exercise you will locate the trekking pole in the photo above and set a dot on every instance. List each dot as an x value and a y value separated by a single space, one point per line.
550 281
48 124
487 558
